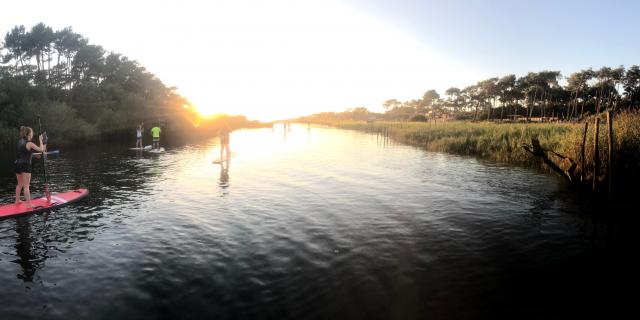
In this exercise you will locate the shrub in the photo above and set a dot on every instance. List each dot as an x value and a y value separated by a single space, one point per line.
418 118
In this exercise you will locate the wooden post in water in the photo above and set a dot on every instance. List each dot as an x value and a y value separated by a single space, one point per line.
584 141
610 164
596 153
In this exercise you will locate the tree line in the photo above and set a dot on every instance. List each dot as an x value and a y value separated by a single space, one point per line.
80 90
538 94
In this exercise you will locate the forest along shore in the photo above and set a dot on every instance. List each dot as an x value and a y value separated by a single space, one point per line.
86 93
569 146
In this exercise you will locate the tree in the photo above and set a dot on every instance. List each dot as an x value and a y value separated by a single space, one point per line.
88 64
506 87
538 88
475 97
67 43
59 73
631 85
14 42
454 99
548 81
390 104
577 84
489 93
606 92
580 83
428 98
38 43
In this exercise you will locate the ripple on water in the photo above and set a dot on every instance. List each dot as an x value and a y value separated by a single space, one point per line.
320 224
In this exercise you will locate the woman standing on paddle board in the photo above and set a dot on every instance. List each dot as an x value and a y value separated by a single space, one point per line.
23 163
139 136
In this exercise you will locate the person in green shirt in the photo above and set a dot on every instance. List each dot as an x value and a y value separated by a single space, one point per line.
155 133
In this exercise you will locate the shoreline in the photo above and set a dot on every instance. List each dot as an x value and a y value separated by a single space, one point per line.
505 143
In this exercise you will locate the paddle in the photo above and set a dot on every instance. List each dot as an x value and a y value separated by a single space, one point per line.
44 166
54 152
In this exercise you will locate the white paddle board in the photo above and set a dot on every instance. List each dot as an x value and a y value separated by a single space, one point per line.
161 150
145 148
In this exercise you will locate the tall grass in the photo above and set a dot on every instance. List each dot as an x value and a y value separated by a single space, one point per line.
493 141
503 142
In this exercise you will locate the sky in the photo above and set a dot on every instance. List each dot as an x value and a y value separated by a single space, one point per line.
277 59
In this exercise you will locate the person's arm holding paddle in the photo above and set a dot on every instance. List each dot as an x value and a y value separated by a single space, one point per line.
37 147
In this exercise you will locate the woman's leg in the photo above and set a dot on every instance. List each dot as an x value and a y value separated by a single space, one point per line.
228 151
18 187
26 180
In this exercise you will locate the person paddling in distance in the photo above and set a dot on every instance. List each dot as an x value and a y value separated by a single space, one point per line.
23 163
155 133
224 134
139 131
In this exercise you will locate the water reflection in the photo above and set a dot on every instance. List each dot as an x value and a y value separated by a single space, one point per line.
223 181
117 183
29 256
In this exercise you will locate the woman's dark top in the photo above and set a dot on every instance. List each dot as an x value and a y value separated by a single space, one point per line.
23 158
24 155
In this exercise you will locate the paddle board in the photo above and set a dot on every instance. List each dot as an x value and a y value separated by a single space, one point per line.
161 150
42 204
220 160
145 148
47 153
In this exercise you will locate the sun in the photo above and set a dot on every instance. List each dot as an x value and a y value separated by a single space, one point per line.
273 62
205 110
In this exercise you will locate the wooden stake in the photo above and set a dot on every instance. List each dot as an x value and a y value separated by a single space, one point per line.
609 173
596 154
584 141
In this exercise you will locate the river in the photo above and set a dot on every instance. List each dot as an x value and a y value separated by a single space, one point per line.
314 223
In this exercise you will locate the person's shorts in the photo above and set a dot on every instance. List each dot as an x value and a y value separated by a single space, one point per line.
156 139
139 139
23 168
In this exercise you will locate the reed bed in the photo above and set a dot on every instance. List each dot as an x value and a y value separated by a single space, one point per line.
502 142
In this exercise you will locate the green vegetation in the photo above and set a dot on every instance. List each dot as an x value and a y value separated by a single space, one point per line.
496 117
537 97
498 142
82 92
503 142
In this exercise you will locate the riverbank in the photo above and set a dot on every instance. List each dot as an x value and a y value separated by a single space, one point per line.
63 134
503 142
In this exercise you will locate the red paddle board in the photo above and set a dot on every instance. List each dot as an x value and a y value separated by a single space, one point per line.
42 204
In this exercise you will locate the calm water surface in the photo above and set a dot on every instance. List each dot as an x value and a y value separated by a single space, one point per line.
320 223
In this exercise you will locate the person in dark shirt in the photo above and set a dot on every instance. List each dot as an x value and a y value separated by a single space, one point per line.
23 163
